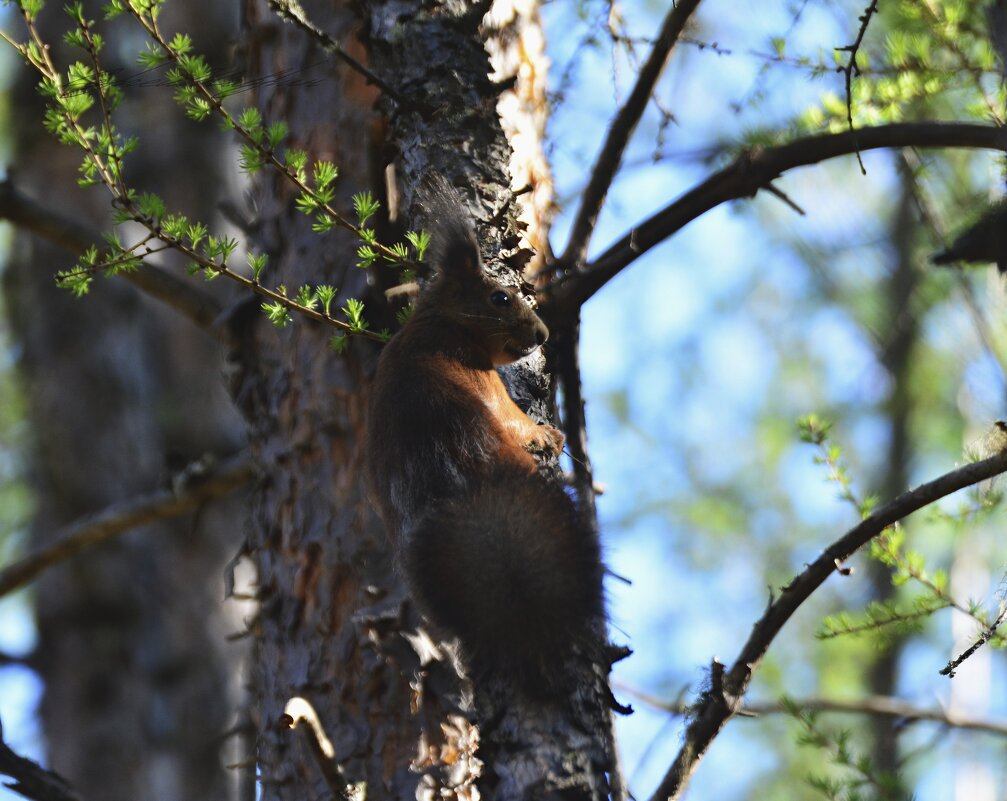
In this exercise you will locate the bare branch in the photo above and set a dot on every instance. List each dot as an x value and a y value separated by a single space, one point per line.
987 634
750 172
7 660
300 711
619 133
574 422
31 780
194 486
877 705
717 706
200 307
567 348
851 68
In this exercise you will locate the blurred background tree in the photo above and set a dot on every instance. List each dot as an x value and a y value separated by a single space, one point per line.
130 641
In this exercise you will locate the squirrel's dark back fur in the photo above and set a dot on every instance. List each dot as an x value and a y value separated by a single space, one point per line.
524 582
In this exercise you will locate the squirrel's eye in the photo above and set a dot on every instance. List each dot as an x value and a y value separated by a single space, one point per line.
500 298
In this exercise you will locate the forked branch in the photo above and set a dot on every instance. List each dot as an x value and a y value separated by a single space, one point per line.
852 69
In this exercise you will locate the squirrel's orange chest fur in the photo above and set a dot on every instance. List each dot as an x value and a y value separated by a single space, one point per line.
441 423
514 432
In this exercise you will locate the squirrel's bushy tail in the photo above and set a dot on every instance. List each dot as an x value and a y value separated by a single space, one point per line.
510 570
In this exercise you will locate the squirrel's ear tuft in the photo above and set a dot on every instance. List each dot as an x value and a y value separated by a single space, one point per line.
454 249
457 252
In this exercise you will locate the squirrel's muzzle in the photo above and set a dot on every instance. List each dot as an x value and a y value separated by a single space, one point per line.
520 346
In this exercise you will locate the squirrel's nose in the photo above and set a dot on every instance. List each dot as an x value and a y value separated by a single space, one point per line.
541 335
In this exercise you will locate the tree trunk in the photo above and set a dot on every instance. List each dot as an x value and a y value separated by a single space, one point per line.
897 342
335 626
330 606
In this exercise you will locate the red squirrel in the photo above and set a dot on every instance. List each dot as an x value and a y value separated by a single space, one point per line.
493 553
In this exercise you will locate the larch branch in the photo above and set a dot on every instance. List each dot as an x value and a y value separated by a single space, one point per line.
750 172
192 488
723 700
619 133
200 307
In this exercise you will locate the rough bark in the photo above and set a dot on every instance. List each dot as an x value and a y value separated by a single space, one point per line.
331 608
131 637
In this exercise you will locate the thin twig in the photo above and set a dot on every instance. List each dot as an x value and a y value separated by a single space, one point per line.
619 132
776 57
194 486
876 705
773 189
574 422
291 11
715 708
851 68
200 307
744 177
304 718
876 624
986 635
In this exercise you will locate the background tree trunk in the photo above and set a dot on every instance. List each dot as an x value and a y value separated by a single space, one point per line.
896 346
132 637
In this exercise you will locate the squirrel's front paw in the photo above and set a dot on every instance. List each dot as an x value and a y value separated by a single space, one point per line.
548 440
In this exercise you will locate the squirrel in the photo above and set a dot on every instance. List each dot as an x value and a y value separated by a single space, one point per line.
493 552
